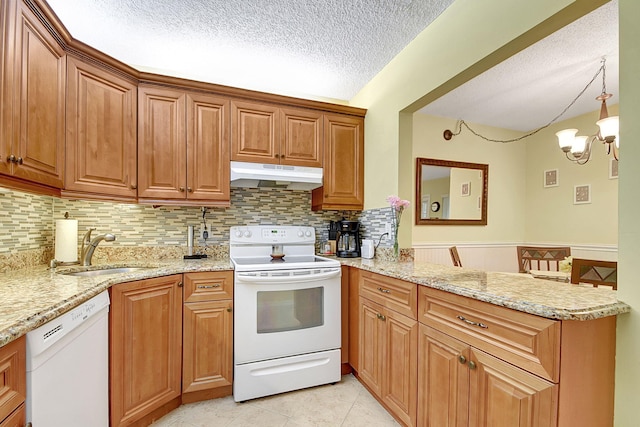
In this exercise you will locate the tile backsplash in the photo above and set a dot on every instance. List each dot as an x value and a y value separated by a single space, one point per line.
27 221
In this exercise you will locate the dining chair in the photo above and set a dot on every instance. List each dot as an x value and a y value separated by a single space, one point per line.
594 272
535 257
453 251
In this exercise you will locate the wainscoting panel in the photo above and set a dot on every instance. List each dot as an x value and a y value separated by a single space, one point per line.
501 256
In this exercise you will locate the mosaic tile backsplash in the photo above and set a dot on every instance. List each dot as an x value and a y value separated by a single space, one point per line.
27 221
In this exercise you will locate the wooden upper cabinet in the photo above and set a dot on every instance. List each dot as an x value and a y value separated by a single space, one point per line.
183 153
255 132
301 137
263 133
33 104
161 143
208 148
343 165
101 133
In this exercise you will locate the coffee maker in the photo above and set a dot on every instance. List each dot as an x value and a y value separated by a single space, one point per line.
348 239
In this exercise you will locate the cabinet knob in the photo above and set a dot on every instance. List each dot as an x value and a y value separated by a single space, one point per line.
229 309
179 284
134 186
11 159
181 189
381 316
19 160
472 364
190 190
462 359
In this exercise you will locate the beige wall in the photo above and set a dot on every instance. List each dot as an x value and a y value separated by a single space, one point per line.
435 188
464 201
506 196
628 344
551 216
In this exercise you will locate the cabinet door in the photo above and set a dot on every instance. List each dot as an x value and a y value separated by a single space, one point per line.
400 365
39 105
162 148
145 347
343 182
101 132
301 137
254 132
208 148
443 380
13 382
17 419
504 395
208 345
371 333
7 69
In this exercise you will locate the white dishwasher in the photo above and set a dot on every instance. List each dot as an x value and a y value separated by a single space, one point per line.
68 368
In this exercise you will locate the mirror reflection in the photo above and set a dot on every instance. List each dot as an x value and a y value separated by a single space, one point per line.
450 192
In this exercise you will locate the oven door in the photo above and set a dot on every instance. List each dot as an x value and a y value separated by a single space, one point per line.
282 313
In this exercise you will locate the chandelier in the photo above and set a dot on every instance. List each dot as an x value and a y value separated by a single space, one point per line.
578 148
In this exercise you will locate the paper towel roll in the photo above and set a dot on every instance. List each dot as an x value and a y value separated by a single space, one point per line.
66 243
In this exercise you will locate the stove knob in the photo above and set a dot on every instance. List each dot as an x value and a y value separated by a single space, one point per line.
247 233
300 233
307 233
238 233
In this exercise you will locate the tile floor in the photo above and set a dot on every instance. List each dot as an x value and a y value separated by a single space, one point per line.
346 404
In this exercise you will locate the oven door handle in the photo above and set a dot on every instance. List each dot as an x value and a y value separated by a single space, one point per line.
248 277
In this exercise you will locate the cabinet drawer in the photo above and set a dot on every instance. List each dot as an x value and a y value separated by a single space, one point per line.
395 294
13 381
208 286
525 340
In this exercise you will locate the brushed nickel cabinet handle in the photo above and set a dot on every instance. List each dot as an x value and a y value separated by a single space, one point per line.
472 323
384 291
217 285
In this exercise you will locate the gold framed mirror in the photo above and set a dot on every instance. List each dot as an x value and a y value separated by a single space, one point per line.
450 192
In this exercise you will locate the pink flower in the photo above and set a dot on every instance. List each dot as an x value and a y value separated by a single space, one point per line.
397 203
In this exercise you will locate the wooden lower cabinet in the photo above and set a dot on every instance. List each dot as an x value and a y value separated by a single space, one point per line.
13 383
388 358
145 349
462 386
207 367
17 419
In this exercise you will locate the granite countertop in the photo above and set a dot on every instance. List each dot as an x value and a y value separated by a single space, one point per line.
32 297
545 298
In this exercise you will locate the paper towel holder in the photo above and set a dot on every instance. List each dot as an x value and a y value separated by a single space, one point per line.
55 263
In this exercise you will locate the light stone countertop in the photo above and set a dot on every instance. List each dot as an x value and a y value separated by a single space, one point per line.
32 297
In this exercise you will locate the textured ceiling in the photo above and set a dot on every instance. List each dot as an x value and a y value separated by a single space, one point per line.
327 49
529 89
332 48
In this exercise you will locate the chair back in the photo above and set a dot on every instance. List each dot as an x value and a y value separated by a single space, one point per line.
538 257
453 251
594 272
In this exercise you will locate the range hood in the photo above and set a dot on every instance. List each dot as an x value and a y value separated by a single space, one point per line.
255 175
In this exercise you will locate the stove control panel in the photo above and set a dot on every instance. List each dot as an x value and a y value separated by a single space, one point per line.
270 234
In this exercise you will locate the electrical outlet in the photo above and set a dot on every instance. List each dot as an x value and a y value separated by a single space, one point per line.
204 233
387 229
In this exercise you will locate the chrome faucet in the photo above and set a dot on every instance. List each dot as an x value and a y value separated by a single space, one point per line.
89 246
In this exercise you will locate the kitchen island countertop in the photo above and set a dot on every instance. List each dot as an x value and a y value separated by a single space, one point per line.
32 297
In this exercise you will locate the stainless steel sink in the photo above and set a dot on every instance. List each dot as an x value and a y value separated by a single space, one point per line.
104 271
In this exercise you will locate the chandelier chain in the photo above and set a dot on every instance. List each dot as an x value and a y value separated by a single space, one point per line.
602 70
